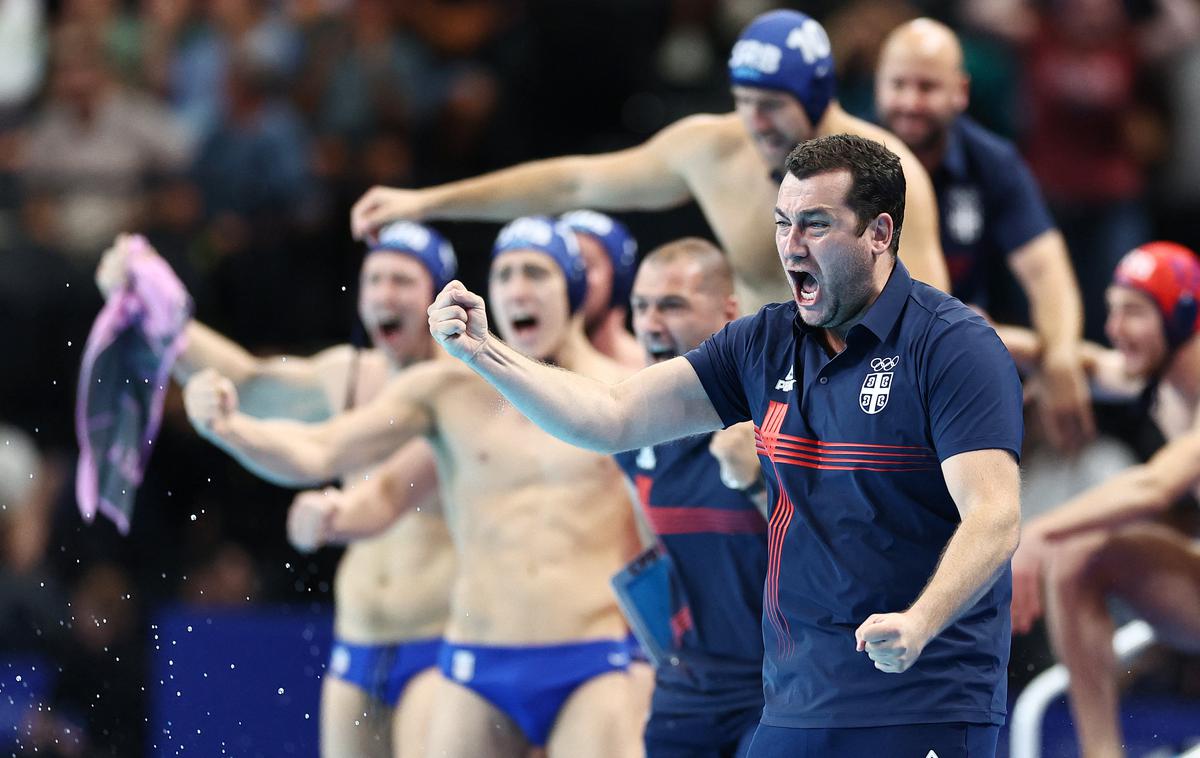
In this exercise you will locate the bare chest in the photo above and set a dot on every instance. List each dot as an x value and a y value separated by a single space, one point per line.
738 199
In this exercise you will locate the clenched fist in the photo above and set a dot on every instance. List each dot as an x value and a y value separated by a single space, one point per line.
210 399
310 519
458 321
894 641
737 456
382 205
112 273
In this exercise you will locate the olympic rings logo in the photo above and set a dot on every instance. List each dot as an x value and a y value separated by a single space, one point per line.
884 364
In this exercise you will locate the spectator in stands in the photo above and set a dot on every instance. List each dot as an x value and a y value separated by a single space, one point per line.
95 148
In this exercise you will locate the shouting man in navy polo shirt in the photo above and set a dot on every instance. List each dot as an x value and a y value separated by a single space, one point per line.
888 421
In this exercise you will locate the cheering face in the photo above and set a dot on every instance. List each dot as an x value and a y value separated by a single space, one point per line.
828 262
528 295
918 94
774 120
1135 328
675 309
393 292
599 278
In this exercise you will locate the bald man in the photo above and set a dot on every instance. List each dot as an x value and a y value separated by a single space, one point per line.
781 72
991 210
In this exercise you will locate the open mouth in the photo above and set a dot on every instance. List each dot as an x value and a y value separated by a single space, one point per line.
523 325
806 286
660 354
390 327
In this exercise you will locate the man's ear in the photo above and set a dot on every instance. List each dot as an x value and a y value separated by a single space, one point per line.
732 310
881 232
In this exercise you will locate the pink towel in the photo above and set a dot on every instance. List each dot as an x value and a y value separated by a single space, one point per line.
123 382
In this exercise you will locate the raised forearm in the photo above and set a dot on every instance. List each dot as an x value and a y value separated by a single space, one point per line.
550 186
287 453
407 480
574 408
296 454
207 348
366 512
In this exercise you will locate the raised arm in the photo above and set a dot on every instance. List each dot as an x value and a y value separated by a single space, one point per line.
639 178
295 454
1043 268
660 403
283 386
985 487
406 481
277 386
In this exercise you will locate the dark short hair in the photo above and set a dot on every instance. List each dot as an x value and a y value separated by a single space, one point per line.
876 177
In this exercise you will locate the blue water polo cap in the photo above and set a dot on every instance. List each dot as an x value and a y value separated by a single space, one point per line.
554 238
430 248
787 51
617 242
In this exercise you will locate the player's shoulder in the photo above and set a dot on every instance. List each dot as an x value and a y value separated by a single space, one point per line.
427 378
703 134
338 358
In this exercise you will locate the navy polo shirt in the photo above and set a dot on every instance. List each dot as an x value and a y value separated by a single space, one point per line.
989 205
851 448
717 541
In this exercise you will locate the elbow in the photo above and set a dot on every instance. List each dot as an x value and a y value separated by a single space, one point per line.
1006 531
570 185
1150 494
319 466
1010 537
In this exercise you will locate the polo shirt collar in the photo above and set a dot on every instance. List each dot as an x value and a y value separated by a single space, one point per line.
883 314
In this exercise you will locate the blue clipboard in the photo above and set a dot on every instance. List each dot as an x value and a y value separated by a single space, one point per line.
644 590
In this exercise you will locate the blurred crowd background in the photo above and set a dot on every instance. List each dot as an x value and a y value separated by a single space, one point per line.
236 134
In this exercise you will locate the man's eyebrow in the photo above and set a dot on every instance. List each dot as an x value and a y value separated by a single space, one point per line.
820 210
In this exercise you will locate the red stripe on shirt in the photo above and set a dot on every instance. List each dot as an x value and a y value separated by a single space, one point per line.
824 451
781 518
695 520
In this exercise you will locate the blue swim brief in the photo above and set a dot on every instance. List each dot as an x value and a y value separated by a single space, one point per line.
382 671
530 683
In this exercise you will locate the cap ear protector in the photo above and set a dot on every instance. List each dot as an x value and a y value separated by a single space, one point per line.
1169 274
617 242
554 238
